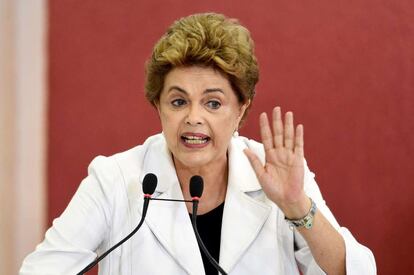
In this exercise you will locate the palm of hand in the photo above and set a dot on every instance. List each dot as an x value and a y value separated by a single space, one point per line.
282 176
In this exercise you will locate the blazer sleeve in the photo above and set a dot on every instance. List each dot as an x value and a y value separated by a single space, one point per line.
359 259
71 242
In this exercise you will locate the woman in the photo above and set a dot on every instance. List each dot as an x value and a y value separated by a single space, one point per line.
261 208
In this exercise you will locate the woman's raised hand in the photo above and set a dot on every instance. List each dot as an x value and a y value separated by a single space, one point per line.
282 176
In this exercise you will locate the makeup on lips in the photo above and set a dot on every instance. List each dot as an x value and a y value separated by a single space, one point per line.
195 140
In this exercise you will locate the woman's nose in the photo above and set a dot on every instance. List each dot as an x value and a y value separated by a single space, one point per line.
194 116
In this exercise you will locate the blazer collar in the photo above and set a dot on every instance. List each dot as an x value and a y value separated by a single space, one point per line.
241 174
170 221
245 208
158 160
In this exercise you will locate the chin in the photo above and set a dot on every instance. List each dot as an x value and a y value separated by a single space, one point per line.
193 160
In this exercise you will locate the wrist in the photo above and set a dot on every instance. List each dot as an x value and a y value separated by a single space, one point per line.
307 220
298 209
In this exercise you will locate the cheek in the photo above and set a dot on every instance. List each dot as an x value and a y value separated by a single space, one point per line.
230 123
170 125
225 128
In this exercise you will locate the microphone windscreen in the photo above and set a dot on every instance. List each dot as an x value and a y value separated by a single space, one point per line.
196 186
149 183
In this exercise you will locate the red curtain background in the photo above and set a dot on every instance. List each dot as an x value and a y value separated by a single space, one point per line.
345 68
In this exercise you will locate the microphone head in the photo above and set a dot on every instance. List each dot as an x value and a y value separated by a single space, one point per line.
196 186
149 184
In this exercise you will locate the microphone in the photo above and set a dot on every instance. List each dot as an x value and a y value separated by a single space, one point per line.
148 187
196 187
196 190
149 183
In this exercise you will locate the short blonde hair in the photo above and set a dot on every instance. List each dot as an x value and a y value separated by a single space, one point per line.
206 39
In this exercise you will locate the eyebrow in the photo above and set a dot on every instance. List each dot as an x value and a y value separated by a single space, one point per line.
210 90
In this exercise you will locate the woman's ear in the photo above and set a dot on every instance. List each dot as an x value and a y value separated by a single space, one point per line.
245 106
157 106
243 109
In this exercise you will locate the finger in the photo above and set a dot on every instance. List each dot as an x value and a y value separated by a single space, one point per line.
265 132
259 169
255 163
289 131
299 140
277 127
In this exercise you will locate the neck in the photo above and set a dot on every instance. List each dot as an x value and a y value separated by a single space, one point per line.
215 183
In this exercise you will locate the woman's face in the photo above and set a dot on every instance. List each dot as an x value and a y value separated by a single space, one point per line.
199 112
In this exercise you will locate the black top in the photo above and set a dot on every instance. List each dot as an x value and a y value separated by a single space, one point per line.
209 228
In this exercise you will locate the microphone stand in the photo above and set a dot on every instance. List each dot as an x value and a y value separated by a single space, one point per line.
149 184
147 199
200 241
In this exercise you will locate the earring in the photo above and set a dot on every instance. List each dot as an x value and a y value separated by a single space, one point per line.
235 133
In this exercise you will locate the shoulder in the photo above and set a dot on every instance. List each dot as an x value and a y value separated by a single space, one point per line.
248 143
123 166
132 156
241 143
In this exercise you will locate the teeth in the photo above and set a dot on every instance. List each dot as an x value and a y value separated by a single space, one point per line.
195 141
193 137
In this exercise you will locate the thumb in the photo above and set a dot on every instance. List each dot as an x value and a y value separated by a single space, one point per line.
255 163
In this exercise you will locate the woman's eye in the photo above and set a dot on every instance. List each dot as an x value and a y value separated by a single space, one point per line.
213 104
178 102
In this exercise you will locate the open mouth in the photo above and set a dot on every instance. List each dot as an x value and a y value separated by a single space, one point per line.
196 140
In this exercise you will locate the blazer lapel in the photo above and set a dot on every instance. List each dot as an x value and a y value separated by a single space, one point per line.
169 221
245 209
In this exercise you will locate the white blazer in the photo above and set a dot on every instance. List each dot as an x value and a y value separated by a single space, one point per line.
255 239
